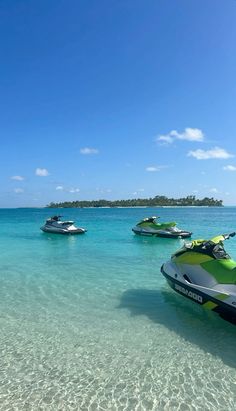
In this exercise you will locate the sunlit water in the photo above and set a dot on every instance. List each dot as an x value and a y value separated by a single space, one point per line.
88 322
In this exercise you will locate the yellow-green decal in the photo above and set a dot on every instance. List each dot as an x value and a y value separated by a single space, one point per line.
210 305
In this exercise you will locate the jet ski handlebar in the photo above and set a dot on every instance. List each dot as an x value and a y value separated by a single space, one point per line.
215 240
222 237
227 236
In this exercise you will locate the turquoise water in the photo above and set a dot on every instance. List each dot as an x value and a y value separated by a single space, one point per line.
88 323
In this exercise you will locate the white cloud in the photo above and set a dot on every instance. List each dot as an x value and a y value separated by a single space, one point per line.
152 169
189 134
216 152
155 168
17 178
19 190
139 190
87 150
229 168
166 139
74 190
214 190
68 190
41 172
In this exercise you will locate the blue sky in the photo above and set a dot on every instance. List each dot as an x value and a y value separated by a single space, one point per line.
117 99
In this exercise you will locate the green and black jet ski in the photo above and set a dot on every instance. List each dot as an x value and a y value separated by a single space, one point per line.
203 271
150 227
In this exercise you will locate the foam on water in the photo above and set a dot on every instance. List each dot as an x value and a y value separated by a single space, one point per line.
88 322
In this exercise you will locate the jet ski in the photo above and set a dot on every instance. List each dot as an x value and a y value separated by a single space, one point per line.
55 225
203 271
150 227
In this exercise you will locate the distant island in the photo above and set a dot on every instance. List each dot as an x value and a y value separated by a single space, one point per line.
157 201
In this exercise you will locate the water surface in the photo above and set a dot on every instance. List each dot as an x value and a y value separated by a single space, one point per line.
88 322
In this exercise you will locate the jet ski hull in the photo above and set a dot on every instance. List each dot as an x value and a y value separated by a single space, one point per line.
161 233
63 231
209 301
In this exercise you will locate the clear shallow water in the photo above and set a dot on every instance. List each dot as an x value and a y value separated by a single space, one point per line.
88 322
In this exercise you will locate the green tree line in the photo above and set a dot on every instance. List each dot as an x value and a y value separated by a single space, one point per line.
137 202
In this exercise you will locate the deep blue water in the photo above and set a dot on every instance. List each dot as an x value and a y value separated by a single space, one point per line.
88 322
